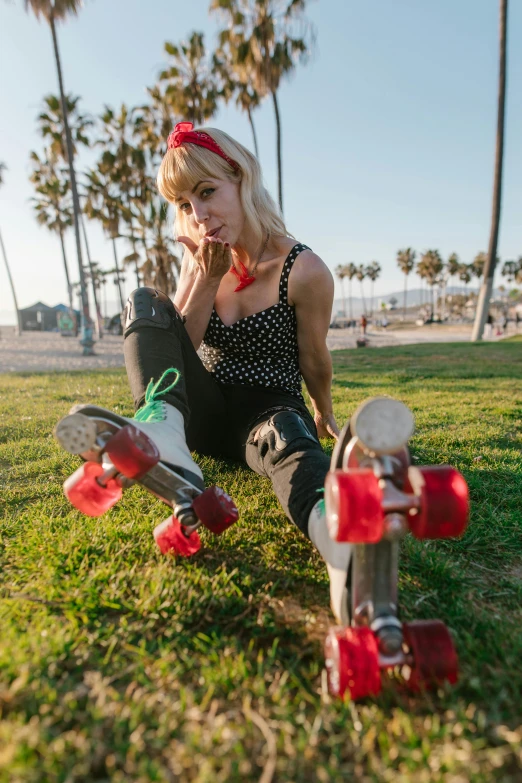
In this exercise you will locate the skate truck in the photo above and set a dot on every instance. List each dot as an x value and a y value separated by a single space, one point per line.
373 497
117 455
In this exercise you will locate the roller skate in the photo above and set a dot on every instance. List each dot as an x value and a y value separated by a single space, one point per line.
149 450
373 497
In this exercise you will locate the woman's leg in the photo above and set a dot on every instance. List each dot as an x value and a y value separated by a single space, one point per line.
156 341
283 445
279 440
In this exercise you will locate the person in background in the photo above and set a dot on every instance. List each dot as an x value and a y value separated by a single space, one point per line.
488 332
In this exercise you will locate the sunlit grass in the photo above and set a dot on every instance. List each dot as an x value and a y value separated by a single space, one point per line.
119 664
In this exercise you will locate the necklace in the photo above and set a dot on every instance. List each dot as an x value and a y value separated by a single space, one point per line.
245 277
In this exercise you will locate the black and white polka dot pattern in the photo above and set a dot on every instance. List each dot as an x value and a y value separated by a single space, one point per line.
260 349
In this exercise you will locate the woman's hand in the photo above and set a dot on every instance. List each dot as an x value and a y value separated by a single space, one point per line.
212 256
326 426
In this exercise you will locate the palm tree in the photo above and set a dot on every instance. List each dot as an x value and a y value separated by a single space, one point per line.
430 268
270 38
94 276
3 168
518 272
465 275
152 123
489 268
234 82
162 268
52 204
478 264
406 263
373 271
191 87
509 270
125 163
360 274
453 265
350 273
51 128
53 11
102 203
340 272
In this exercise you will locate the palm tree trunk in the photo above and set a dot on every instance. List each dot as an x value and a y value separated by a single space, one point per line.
350 297
344 296
68 279
251 121
133 241
489 267
405 297
99 332
117 273
86 334
105 295
18 316
279 157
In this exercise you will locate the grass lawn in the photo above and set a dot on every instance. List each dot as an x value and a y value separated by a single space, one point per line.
119 664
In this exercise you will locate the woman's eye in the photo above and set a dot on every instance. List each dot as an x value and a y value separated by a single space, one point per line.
207 192
184 206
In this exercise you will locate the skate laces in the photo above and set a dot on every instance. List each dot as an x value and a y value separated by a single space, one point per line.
154 409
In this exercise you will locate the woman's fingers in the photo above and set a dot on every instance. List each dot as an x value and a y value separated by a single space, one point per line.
228 254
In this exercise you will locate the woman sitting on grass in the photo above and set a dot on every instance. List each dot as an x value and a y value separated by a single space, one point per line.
257 304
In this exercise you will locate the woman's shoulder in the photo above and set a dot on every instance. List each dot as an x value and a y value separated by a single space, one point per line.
309 271
308 265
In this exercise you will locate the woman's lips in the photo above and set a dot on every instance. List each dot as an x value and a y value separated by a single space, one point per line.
214 233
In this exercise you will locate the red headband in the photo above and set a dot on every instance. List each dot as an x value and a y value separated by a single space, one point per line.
183 134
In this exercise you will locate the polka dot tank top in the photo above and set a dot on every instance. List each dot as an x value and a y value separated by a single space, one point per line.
260 349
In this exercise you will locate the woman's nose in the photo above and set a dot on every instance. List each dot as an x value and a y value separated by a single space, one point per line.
200 212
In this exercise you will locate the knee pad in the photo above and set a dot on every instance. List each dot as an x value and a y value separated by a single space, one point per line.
282 429
148 307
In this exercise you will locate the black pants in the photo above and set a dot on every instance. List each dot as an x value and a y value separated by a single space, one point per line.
222 419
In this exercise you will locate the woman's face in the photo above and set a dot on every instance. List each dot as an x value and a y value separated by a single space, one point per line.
212 208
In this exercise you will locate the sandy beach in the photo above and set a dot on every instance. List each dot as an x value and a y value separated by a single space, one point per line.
49 351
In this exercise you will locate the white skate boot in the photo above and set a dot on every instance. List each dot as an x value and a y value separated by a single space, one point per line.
150 449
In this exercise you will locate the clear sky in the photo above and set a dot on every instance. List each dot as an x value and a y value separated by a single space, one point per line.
388 133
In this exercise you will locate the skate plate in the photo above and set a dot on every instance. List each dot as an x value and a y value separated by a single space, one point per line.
373 498
118 454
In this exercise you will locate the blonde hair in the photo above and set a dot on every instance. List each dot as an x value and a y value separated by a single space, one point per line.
183 166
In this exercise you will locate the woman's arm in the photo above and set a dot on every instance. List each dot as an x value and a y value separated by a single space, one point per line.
311 291
198 308
187 276
213 260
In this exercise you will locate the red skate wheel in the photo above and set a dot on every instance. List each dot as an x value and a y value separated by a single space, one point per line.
434 655
444 502
170 538
132 452
352 662
215 509
85 494
353 506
